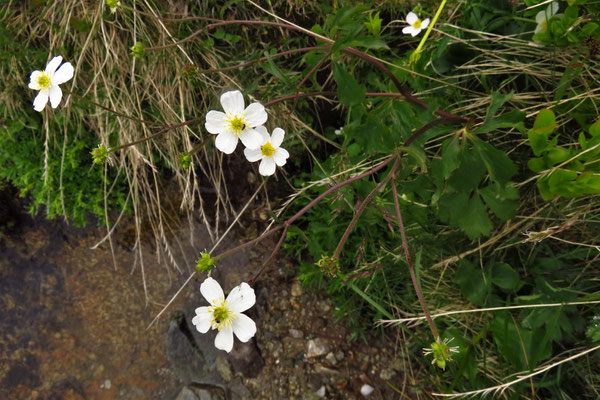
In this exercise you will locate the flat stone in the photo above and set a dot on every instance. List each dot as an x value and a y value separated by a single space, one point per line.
316 347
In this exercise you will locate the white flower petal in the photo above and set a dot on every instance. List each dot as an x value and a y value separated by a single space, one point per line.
540 17
415 32
267 166
224 339
202 319
226 142
55 95
253 155
64 73
411 18
425 23
408 30
280 156
52 65
251 138
263 133
277 137
233 101
211 290
552 8
241 298
33 80
243 327
40 100
255 115
215 121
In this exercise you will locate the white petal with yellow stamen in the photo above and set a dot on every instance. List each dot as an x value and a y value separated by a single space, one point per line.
225 315
269 151
236 123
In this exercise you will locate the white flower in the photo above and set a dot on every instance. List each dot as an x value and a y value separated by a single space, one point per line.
268 151
225 315
543 16
236 122
47 82
415 24
339 131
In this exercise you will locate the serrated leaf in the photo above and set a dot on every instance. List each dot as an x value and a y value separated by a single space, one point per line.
474 220
470 172
499 165
351 92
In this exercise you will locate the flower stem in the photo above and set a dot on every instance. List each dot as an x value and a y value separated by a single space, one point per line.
409 262
361 209
435 18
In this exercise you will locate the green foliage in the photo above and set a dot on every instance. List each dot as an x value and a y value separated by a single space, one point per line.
69 186
566 171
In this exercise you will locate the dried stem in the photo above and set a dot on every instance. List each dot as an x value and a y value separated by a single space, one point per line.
167 129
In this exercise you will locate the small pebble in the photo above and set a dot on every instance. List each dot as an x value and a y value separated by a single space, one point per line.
321 392
366 390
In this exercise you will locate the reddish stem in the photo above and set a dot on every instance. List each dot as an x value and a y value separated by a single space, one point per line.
411 268
362 208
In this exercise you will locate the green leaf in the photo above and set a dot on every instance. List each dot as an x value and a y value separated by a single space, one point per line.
470 172
498 164
474 220
471 282
350 92
501 200
504 276
545 123
369 42
450 152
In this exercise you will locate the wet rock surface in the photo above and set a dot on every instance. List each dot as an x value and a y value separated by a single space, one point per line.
74 325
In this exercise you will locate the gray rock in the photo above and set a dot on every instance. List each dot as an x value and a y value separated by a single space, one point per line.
316 347
246 358
192 355
187 394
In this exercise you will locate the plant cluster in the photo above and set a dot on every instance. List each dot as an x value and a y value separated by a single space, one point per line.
463 177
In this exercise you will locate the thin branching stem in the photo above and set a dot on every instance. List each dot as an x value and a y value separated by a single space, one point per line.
362 208
167 129
409 262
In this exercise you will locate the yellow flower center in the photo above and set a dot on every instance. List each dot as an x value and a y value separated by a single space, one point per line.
221 316
267 149
417 24
43 80
237 123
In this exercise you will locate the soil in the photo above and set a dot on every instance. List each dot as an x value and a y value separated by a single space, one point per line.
74 324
